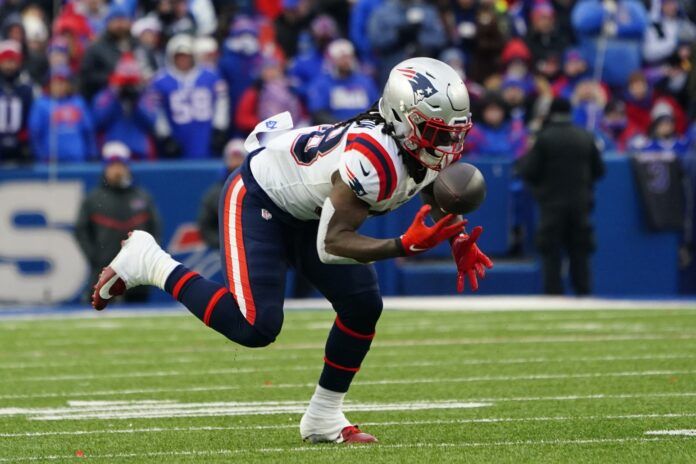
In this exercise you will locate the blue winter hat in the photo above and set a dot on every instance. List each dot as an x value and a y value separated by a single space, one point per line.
116 12
244 25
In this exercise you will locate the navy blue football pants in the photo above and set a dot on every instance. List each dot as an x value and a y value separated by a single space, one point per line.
258 242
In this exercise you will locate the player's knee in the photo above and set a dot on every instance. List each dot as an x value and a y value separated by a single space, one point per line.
360 312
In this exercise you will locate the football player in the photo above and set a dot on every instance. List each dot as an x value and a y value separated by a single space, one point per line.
299 201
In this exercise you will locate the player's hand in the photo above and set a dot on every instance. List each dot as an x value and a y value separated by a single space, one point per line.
471 261
420 237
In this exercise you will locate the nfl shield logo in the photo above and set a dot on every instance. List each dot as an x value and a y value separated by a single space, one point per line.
266 214
271 124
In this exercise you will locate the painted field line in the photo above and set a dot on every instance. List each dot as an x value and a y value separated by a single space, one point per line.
345 449
87 410
487 420
381 344
683 432
370 365
157 374
206 389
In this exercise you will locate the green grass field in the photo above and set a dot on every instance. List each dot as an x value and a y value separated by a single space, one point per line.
541 386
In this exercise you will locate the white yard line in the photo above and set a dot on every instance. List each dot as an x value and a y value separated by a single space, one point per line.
349 449
370 365
487 420
88 410
683 432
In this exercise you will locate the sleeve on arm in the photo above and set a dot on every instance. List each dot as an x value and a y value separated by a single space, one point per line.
368 169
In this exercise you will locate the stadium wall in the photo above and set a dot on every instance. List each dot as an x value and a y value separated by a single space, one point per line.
40 261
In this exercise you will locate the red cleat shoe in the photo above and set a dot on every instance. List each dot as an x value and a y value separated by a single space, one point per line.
352 434
108 286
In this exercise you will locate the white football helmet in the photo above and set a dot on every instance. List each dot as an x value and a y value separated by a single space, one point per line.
428 105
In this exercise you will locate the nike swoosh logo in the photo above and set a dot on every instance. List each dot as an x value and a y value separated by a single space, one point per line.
415 249
365 173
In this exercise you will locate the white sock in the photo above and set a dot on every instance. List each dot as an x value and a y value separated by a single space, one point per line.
325 403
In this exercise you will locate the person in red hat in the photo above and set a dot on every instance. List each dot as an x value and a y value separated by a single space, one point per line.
16 96
123 112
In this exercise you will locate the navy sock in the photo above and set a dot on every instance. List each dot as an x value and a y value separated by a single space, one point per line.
213 304
344 353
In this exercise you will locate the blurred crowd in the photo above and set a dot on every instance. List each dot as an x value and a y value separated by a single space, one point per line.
181 78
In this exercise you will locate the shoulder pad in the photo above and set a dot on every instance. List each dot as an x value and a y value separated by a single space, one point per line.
368 167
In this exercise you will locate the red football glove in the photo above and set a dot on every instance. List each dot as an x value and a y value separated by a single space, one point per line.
470 259
419 237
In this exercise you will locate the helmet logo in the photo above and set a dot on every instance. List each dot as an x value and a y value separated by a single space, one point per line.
421 85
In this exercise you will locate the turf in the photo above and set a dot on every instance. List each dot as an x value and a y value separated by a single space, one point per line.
551 386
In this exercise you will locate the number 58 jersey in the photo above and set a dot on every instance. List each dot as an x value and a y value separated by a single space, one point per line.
295 168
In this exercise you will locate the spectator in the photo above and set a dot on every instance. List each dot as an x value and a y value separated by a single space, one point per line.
544 40
36 60
293 19
495 134
122 113
456 59
270 95
614 28
640 99
662 135
112 210
691 84
671 78
358 28
516 95
73 32
305 68
16 96
175 17
343 91
193 105
147 31
615 130
241 60
233 156
205 50
13 29
588 100
516 59
561 170
101 57
667 23
60 126
94 12
491 37
460 19
400 29
575 69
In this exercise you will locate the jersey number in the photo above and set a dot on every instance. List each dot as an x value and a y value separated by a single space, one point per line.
191 105
10 115
312 145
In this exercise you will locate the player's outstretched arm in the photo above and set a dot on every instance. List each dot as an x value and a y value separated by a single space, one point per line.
344 213
338 241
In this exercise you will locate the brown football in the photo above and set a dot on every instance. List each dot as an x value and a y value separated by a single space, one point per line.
459 188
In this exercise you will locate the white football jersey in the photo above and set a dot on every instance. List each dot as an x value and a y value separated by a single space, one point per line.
295 168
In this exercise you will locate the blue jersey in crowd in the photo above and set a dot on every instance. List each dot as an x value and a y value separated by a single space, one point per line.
129 123
64 125
190 103
342 97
